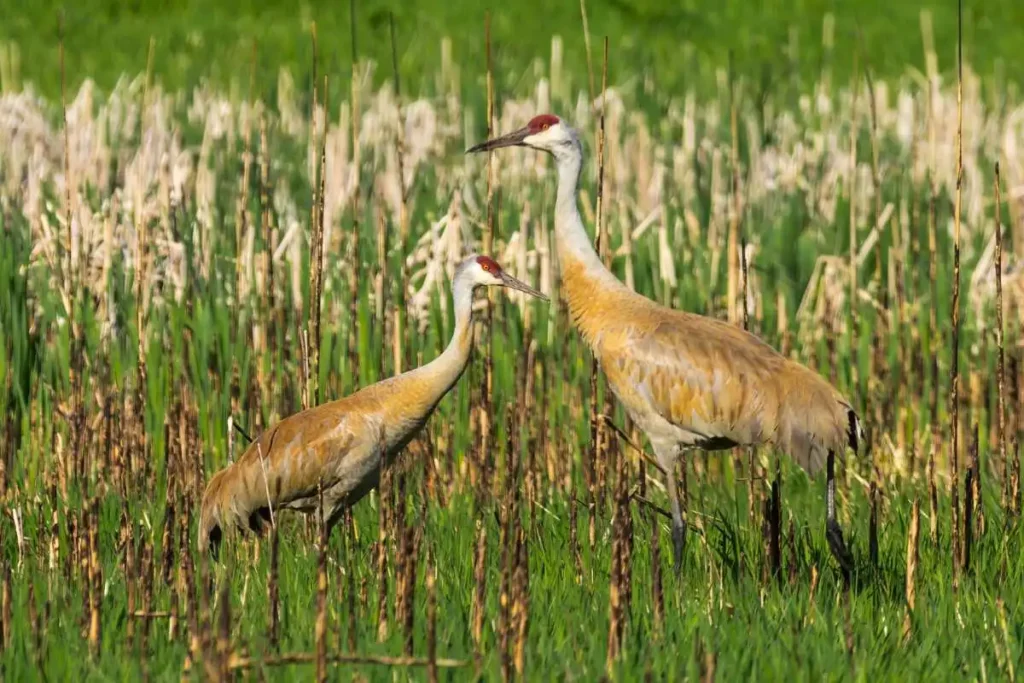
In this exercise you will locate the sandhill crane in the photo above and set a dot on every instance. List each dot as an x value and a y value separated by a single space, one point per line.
340 445
686 380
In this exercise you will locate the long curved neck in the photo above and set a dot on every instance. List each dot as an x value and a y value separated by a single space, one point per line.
410 398
444 371
583 273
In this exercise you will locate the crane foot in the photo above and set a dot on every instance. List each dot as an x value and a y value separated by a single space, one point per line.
834 534
678 545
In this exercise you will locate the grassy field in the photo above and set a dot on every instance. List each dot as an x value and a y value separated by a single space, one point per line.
677 46
162 297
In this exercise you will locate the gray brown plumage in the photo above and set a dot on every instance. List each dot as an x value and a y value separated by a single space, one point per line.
686 380
342 444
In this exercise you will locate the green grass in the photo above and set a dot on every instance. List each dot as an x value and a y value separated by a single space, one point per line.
680 45
768 632
201 355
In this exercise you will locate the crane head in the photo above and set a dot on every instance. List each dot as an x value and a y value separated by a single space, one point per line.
546 132
483 271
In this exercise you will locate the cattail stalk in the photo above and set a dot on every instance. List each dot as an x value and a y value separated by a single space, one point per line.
602 245
398 329
574 537
203 622
657 590
873 495
410 551
709 666
597 431
732 285
775 524
381 287
224 629
854 324
1005 632
81 561
167 553
127 538
521 606
954 393
879 331
67 267
384 489
242 220
314 171
1015 476
270 303
274 591
71 295
401 554
1000 445
147 598
478 609
95 578
911 587
37 630
350 575
174 616
353 240
431 581
507 540
620 587
793 559
320 626
970 488
317 257
6 629
811 593
933 333
738 252
487 398
848 631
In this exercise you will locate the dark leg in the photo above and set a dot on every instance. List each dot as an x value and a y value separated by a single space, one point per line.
833 532
257 518
337 514
214 540
678 523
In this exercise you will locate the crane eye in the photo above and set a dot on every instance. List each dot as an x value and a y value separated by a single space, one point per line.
545 126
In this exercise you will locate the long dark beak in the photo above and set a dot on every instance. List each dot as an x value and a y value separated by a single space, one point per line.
512 283
514 139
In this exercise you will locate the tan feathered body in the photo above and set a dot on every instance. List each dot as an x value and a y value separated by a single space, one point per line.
340 443
690 380
686 380
343 443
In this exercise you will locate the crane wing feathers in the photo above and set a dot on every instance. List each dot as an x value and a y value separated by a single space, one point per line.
710 384
285 466
702 376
